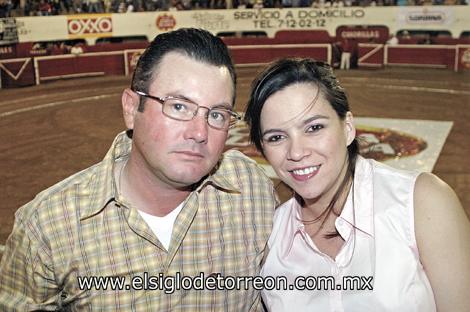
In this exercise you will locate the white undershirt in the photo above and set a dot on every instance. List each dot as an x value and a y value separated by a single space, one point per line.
162 227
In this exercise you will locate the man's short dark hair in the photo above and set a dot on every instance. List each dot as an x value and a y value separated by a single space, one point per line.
197 44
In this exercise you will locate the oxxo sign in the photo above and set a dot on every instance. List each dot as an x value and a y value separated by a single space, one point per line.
89 25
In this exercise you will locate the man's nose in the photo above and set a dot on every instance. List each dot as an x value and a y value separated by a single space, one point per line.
197 129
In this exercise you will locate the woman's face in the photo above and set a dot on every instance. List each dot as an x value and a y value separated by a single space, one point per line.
306 143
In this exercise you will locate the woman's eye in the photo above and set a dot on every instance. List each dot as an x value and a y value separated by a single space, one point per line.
314 128
274 138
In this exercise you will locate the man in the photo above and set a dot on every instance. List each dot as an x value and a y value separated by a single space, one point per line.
165 221
345 54
393 40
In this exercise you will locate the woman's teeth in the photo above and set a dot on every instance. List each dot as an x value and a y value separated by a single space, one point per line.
305 171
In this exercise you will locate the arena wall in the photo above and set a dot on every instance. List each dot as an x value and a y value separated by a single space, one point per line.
253 36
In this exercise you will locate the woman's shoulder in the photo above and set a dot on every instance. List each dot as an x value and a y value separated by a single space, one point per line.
385 180
384 169
433 196
443 236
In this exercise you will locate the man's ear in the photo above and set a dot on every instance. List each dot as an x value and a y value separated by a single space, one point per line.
349 128
130 103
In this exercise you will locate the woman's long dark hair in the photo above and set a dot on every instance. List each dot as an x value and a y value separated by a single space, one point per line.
289 71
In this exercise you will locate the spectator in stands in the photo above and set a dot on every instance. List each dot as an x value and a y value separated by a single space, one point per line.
426 39
346 51
295 3
80 6
107 7
240 4
36 46
405 35
67 6
130 6
94 6
165 203
121 7
176 5
55 49
77 49
4 9
56 7
154 5
286 3
339 4
393 40
258 4
28 8
44 8
354 52
64 47
336 54
77 6
403 233
220 4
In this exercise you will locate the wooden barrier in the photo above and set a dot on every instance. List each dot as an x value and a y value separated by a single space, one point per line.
69 66
262 54
29 71
456 57
17 72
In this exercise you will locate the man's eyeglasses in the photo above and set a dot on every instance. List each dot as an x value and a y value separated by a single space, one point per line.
185 110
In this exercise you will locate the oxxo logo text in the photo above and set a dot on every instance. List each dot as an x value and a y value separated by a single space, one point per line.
97 25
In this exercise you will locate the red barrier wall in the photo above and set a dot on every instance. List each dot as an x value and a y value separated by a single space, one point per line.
421 55
303 36
283 37
370 55
8 51
117 46
266 54
16 72
22 72
88 64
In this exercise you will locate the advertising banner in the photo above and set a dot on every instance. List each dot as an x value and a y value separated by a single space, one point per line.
95 25
425 16
8 31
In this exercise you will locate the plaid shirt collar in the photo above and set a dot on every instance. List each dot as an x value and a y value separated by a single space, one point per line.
105 189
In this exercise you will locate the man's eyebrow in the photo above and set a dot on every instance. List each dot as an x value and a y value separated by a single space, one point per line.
183 97
179 96
223 105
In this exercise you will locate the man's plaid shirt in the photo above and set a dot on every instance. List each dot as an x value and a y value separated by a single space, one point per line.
81 228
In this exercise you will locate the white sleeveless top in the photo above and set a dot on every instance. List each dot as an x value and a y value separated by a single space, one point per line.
379 253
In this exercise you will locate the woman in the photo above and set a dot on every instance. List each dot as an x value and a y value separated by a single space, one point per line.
357 235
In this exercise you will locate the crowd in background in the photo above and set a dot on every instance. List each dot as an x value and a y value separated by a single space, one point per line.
55 7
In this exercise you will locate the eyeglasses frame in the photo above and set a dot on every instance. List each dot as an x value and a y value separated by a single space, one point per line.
161 100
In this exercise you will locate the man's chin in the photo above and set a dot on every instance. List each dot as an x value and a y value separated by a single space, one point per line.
188 178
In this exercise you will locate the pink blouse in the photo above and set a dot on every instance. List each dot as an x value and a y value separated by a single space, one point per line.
378 267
